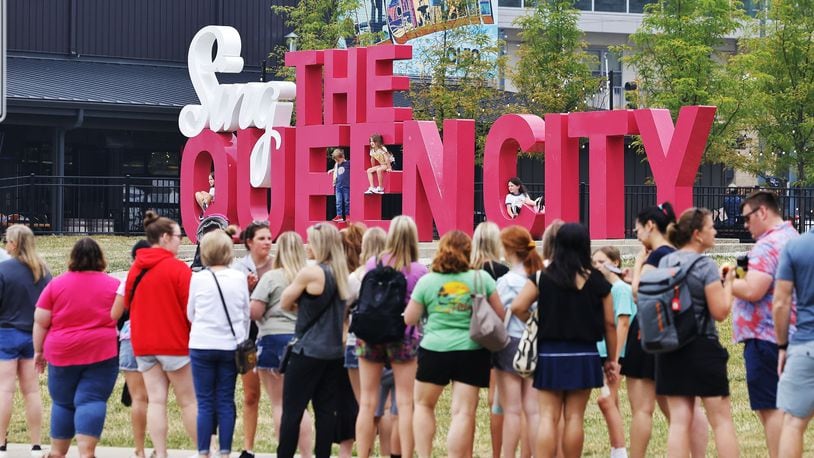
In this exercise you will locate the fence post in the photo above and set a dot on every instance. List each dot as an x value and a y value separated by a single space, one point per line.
127 204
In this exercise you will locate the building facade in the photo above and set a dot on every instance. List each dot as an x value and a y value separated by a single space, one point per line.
94 92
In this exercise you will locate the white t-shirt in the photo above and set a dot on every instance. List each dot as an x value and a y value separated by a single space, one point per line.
212 192
210 328
516 201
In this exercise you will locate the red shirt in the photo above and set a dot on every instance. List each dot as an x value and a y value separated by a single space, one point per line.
158 318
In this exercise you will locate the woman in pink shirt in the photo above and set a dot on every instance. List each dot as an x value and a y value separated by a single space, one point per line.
75 335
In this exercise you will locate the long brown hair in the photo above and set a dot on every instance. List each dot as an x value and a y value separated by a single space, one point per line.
518 240
26 249
352 242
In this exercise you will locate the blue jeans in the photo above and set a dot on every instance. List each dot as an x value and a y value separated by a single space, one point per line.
214 374
79 395
342 201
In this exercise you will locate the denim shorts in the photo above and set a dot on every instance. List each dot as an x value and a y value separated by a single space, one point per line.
795 393
169 363
15 344
760 357
127 360
351 360
270 350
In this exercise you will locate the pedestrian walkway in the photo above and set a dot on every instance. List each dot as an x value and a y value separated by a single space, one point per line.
23 451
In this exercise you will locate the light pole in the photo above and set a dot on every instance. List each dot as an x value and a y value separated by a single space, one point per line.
291 41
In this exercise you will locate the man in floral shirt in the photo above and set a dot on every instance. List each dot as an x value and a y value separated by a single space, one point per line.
752 313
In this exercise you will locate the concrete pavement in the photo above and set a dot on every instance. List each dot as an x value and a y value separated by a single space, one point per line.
23 451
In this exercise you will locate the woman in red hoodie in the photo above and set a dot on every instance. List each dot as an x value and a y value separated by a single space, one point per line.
156 293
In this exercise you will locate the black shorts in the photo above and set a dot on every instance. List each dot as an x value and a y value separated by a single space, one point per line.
697 369
637 363
440 367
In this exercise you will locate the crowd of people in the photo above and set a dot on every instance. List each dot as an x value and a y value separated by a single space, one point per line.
167 326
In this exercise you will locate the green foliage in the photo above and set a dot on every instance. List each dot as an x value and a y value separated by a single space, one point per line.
319 24
679 57
783 64
553 74
457 83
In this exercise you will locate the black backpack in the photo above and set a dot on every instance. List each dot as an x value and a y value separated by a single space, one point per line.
665 310
378 316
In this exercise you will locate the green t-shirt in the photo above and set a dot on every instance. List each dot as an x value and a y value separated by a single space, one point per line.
447 300
623 304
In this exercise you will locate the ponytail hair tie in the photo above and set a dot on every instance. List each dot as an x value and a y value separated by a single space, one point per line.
532 244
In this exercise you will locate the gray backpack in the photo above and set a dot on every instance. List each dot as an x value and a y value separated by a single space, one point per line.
665 313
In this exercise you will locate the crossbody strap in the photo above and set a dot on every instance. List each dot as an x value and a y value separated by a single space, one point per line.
135 284
223 302
138 280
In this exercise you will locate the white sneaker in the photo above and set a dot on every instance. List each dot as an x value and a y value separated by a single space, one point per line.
370 190
379 190
37 452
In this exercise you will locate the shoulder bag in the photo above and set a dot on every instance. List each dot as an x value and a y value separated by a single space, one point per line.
485 327
246 351
525 360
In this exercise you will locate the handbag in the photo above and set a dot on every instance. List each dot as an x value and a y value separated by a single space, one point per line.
289 347
525 360
485 327
246 351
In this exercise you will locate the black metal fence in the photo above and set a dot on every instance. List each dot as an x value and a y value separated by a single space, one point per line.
116 205
71 204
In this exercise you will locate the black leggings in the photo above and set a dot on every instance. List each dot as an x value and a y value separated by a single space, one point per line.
316 380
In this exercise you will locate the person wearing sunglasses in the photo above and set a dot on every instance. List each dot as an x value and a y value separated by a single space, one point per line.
752 323
156 293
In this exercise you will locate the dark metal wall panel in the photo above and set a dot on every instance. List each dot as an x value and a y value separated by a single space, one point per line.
141 29
39 25
260 28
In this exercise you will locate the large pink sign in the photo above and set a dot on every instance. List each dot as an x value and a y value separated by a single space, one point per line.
345 96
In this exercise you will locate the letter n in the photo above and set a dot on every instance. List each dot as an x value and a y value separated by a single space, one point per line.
439 176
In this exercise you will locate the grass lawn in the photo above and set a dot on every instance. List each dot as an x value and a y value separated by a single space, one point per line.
118 431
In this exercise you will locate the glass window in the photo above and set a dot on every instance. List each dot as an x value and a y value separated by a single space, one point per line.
165 163
614 6
510 3
637 6
584 5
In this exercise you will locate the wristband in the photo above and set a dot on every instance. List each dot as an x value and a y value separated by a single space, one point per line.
784 346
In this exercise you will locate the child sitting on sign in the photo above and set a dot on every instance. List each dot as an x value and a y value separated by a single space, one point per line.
204 198
518 197
381 161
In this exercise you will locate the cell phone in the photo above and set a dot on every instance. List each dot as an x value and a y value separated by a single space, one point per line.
612 268
742 263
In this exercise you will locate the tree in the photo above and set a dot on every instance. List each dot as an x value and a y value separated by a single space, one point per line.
553 73
319 24
679 57
783 63
457 75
